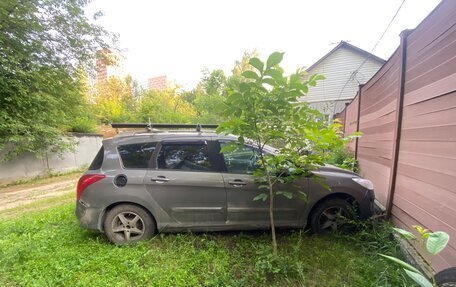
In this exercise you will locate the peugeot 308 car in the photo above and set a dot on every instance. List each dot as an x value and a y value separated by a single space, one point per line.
141 183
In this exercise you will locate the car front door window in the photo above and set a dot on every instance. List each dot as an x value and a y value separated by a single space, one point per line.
243 160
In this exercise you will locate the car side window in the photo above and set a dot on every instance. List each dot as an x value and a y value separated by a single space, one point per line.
98 160
192 157
243 159
136 155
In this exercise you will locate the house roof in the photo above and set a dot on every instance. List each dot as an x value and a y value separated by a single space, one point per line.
349 46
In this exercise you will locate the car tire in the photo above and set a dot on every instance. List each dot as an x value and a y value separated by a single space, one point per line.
446 278
331 216
128 223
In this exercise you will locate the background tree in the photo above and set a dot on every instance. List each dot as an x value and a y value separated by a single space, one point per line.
115 101
209 95
213 82
165 107
83 114
241 66
264 109
41 45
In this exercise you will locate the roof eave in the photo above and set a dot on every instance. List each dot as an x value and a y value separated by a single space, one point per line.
348 46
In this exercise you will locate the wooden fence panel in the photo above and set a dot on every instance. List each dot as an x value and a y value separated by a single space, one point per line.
378 115
351 121
426 176
423 190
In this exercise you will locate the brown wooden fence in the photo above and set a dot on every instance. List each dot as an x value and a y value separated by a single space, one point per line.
407 114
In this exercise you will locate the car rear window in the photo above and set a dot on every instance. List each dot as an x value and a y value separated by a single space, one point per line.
136 155
98 160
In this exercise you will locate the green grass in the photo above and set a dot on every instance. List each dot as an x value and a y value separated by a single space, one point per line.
47 248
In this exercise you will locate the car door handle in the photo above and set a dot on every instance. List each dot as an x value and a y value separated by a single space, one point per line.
160 179
237 183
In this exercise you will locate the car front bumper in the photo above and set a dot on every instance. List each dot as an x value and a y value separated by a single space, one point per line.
366 205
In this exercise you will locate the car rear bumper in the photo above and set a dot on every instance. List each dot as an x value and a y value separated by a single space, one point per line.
88 217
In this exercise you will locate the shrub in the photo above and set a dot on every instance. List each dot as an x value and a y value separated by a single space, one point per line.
83 124
344 158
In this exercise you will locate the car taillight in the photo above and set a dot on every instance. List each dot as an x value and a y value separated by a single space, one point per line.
85 181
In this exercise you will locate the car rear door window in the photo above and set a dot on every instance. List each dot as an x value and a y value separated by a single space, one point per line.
192 157
136 155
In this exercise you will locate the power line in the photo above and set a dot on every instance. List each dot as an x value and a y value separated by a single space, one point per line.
389 24
353 74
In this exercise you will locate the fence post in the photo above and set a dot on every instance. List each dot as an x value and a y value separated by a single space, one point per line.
358 116
345 118
397 129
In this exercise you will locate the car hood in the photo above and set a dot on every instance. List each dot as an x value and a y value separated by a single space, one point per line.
335 169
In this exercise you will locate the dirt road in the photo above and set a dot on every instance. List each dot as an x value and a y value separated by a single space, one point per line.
19 195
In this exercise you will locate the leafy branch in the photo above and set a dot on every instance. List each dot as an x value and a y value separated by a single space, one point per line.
434 243
264 108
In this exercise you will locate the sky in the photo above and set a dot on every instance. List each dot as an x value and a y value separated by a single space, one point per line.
179 38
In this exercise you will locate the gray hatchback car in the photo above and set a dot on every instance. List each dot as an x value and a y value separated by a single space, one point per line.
141 183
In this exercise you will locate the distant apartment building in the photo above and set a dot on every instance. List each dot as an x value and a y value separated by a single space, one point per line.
159 83
345 68
108 64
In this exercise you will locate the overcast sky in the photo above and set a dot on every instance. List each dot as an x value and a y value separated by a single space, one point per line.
179 38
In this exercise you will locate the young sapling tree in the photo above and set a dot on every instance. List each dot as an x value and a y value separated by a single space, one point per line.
263 109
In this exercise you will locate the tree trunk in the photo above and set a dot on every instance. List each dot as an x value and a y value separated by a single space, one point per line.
271 199
271 215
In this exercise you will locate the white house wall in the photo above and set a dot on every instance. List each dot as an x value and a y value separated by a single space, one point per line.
338 68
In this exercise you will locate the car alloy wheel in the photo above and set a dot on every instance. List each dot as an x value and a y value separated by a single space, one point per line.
128 226
332 218
332 215
127 223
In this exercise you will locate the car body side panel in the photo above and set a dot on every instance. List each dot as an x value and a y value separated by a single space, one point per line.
189 198
241 206
102 194
291 210
243 209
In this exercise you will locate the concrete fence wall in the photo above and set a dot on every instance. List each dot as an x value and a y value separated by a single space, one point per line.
28 165
407 114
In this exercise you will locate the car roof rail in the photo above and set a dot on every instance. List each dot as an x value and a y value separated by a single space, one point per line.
158 127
